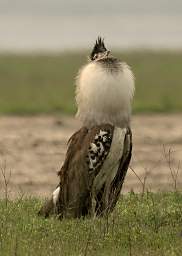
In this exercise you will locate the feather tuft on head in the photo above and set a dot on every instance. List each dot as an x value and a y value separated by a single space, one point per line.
99 47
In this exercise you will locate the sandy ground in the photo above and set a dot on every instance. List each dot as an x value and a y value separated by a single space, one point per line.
32 150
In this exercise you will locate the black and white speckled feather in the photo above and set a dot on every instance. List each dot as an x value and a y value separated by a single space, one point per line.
99 150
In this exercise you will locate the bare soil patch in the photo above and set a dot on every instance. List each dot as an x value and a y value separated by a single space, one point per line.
33 149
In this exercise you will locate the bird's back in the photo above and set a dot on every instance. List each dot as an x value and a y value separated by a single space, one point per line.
92 175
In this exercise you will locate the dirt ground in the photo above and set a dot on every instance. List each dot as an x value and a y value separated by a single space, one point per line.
32 150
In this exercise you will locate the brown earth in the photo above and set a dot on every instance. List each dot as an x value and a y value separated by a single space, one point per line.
32 150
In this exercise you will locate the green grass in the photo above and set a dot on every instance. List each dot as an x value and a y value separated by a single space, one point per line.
45 84
140 225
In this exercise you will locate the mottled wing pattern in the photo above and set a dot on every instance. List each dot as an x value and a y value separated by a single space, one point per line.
86 152
85 160
99 150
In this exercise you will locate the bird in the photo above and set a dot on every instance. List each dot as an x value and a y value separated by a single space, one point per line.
99 153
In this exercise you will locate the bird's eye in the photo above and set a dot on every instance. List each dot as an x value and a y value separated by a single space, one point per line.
95 56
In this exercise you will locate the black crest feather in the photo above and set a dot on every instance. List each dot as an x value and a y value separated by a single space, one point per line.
98 47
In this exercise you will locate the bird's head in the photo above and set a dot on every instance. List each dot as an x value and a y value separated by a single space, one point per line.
99 51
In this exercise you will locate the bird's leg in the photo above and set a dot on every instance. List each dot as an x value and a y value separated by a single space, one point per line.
93 203
50 206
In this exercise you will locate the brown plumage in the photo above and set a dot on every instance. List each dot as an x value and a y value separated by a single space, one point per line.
76 179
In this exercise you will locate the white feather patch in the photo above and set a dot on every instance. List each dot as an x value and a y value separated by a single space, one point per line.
55 195
103 96
93 147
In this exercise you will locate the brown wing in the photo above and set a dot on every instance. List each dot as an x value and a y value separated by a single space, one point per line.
87 150
67 172
76 175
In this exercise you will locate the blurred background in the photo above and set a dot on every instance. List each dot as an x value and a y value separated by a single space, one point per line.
43 43
56 25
